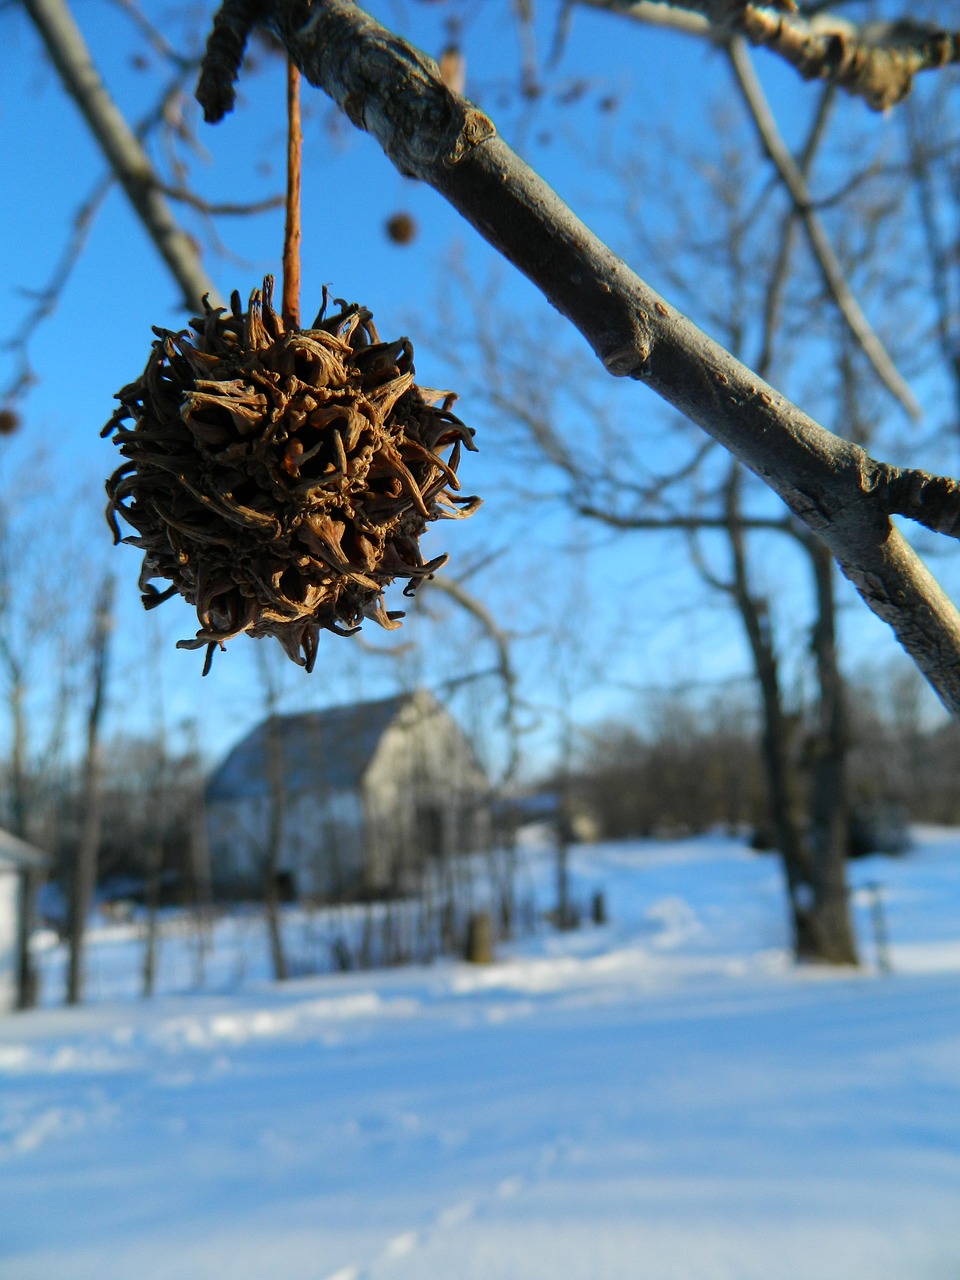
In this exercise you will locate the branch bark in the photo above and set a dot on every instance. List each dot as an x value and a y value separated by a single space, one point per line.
794 181
877 62
390 89
127 159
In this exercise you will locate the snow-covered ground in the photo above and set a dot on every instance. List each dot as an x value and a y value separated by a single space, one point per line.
659 1098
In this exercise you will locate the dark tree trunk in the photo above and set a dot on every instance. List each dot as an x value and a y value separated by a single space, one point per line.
271 861
830 912
154 868
27 982
19 810
84 876
776 744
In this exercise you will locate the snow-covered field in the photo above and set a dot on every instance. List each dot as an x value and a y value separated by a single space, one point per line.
659 1098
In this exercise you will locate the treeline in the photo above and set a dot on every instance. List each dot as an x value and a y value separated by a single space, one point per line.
679 765
685 765
152 827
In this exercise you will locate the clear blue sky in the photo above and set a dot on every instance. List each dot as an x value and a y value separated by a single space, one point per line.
625 595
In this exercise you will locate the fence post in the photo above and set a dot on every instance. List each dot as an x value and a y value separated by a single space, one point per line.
479 949
880 936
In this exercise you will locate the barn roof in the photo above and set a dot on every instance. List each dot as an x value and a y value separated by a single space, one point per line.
17 855
330 749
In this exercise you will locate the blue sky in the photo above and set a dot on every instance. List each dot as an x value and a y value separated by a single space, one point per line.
642 619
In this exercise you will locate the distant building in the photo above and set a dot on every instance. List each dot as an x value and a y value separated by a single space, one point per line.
20 867
359 799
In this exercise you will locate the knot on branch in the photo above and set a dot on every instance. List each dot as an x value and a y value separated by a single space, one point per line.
226 45
933 501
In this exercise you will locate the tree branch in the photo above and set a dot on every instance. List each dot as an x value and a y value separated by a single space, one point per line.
394 92
777 284
127 159
221 209
501 642
226 46
48 296
793 179
876 61
688 524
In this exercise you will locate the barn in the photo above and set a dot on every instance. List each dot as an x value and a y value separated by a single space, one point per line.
21 866
356 799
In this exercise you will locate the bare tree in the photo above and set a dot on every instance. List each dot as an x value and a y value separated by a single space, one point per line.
841 497
430 132
38 710
84 872
276 811
613 485
841 493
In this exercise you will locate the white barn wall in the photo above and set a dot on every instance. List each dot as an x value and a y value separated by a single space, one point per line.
422 759
375 792
313 826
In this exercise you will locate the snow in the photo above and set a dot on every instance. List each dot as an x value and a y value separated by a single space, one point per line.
664 1097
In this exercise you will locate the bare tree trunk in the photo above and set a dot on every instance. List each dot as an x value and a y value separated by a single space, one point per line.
154 867
202 892
507 881
19 810
85 867
564 916
782 798
156 812
18 755
271 861
830 913
27 982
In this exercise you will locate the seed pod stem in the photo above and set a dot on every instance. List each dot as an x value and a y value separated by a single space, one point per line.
290 305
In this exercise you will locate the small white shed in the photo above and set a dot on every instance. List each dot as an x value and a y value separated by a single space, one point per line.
20 868
363 796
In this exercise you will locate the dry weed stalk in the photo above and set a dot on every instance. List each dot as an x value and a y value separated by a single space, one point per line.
280 478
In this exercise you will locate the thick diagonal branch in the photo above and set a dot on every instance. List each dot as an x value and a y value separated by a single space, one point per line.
127 159
394 92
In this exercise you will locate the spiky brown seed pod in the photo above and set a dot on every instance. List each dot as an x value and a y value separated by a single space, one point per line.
280 479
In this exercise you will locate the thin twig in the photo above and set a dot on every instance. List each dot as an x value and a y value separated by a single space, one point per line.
776 287
691 523
47 298
220 209
455 589
795 183
292 231
153 35
125 155
940 256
